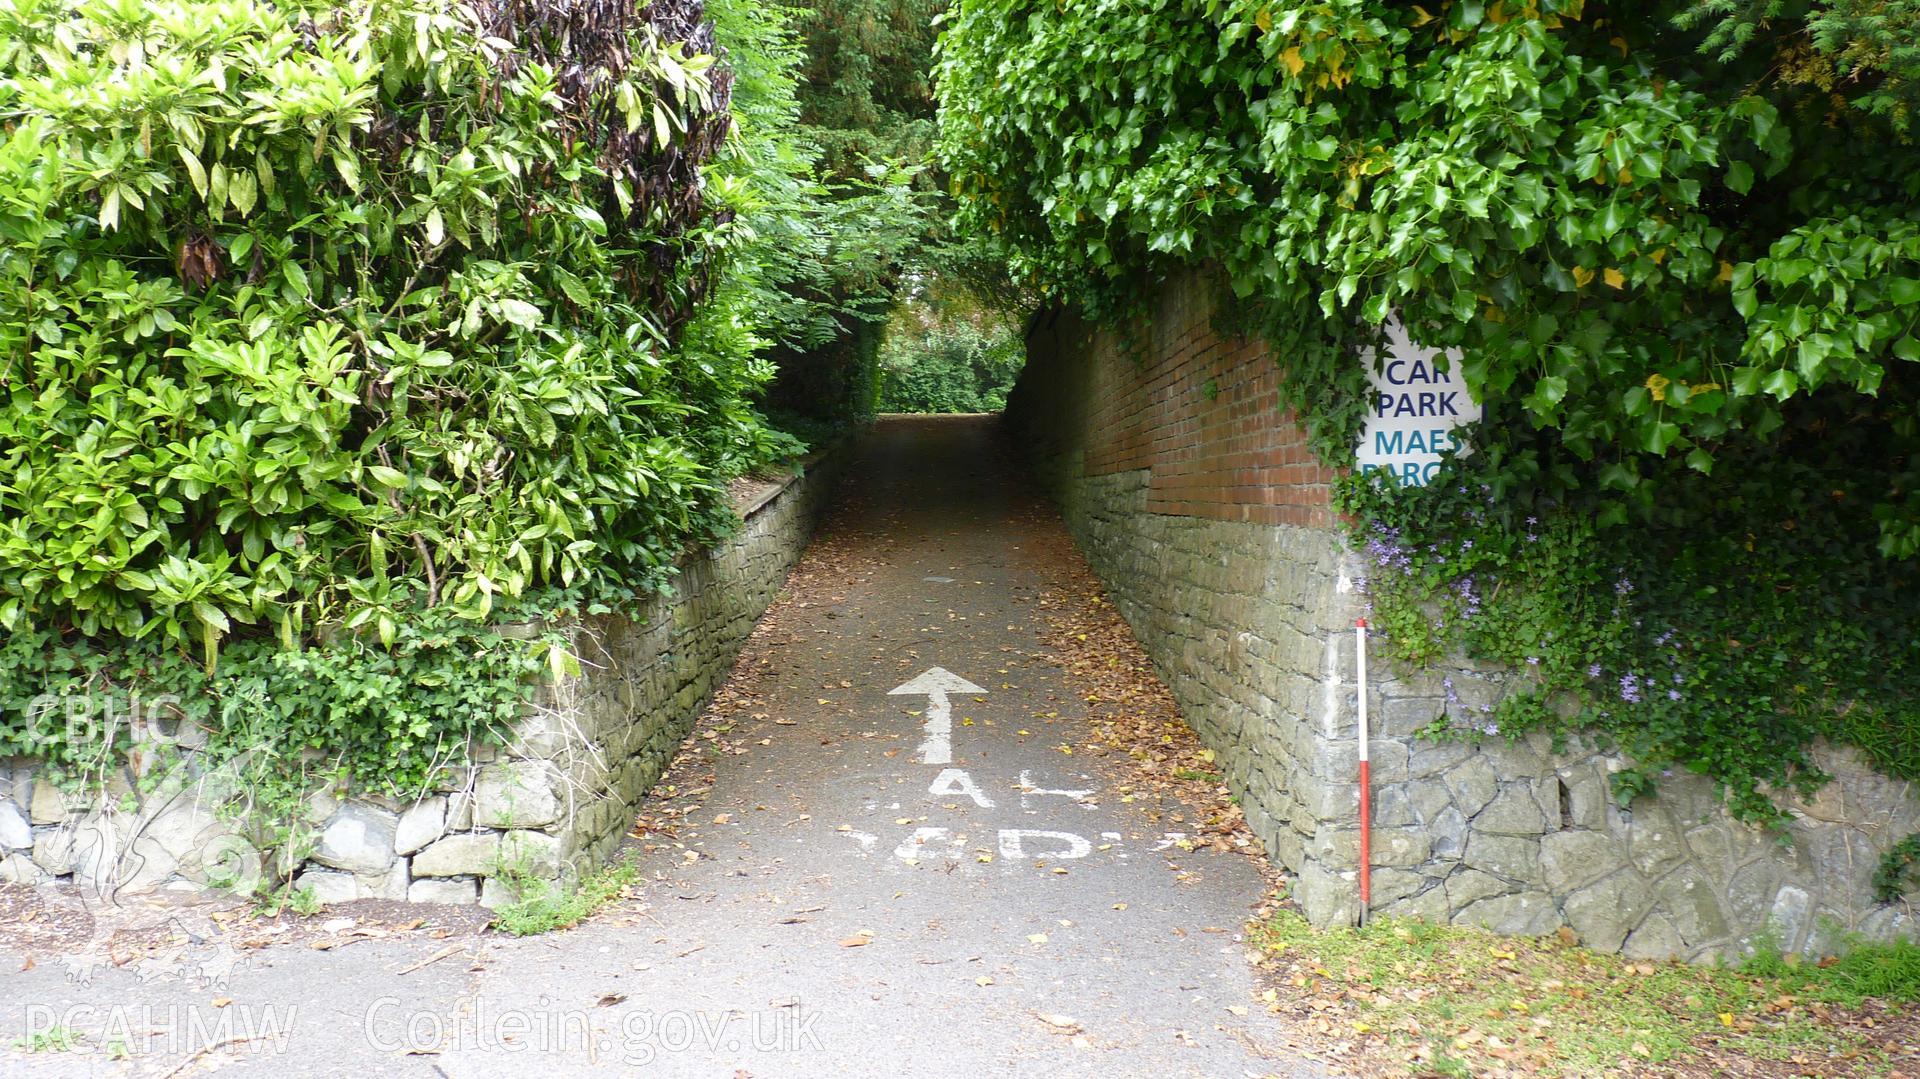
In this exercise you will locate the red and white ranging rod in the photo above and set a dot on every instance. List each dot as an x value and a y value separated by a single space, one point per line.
1366 779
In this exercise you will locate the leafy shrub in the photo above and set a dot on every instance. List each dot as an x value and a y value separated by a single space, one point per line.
315 312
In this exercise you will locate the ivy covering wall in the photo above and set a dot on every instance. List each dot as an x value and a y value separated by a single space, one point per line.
1678 248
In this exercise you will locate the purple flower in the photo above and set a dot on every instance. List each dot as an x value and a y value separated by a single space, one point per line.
1673 694
1533 661
1622 587
1593 671
1630 688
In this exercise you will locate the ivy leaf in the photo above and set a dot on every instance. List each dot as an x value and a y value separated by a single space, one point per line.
1547 393
1781 383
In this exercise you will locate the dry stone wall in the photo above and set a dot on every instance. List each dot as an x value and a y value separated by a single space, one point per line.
1241 589
551 803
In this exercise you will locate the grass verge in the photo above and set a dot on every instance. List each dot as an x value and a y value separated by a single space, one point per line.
1401 996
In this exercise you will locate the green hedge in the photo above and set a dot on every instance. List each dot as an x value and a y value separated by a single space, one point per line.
327 312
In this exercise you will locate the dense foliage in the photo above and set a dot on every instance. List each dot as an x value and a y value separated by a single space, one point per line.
947 351
1678 247
382 716
866 102
318 313
333 337
867 83
1627 237
861 113
1721 635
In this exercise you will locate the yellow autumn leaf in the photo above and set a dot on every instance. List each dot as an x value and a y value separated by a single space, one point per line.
1614 278
1582 276
1657 385
1291 58
1726 273
1264 20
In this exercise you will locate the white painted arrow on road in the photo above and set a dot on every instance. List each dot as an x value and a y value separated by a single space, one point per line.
934 684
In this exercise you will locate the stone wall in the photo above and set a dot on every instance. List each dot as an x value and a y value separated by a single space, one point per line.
1179 476
553 802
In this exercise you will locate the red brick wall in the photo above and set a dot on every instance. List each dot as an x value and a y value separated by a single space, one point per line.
1200 412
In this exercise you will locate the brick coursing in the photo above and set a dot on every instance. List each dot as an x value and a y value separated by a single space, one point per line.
1200 412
